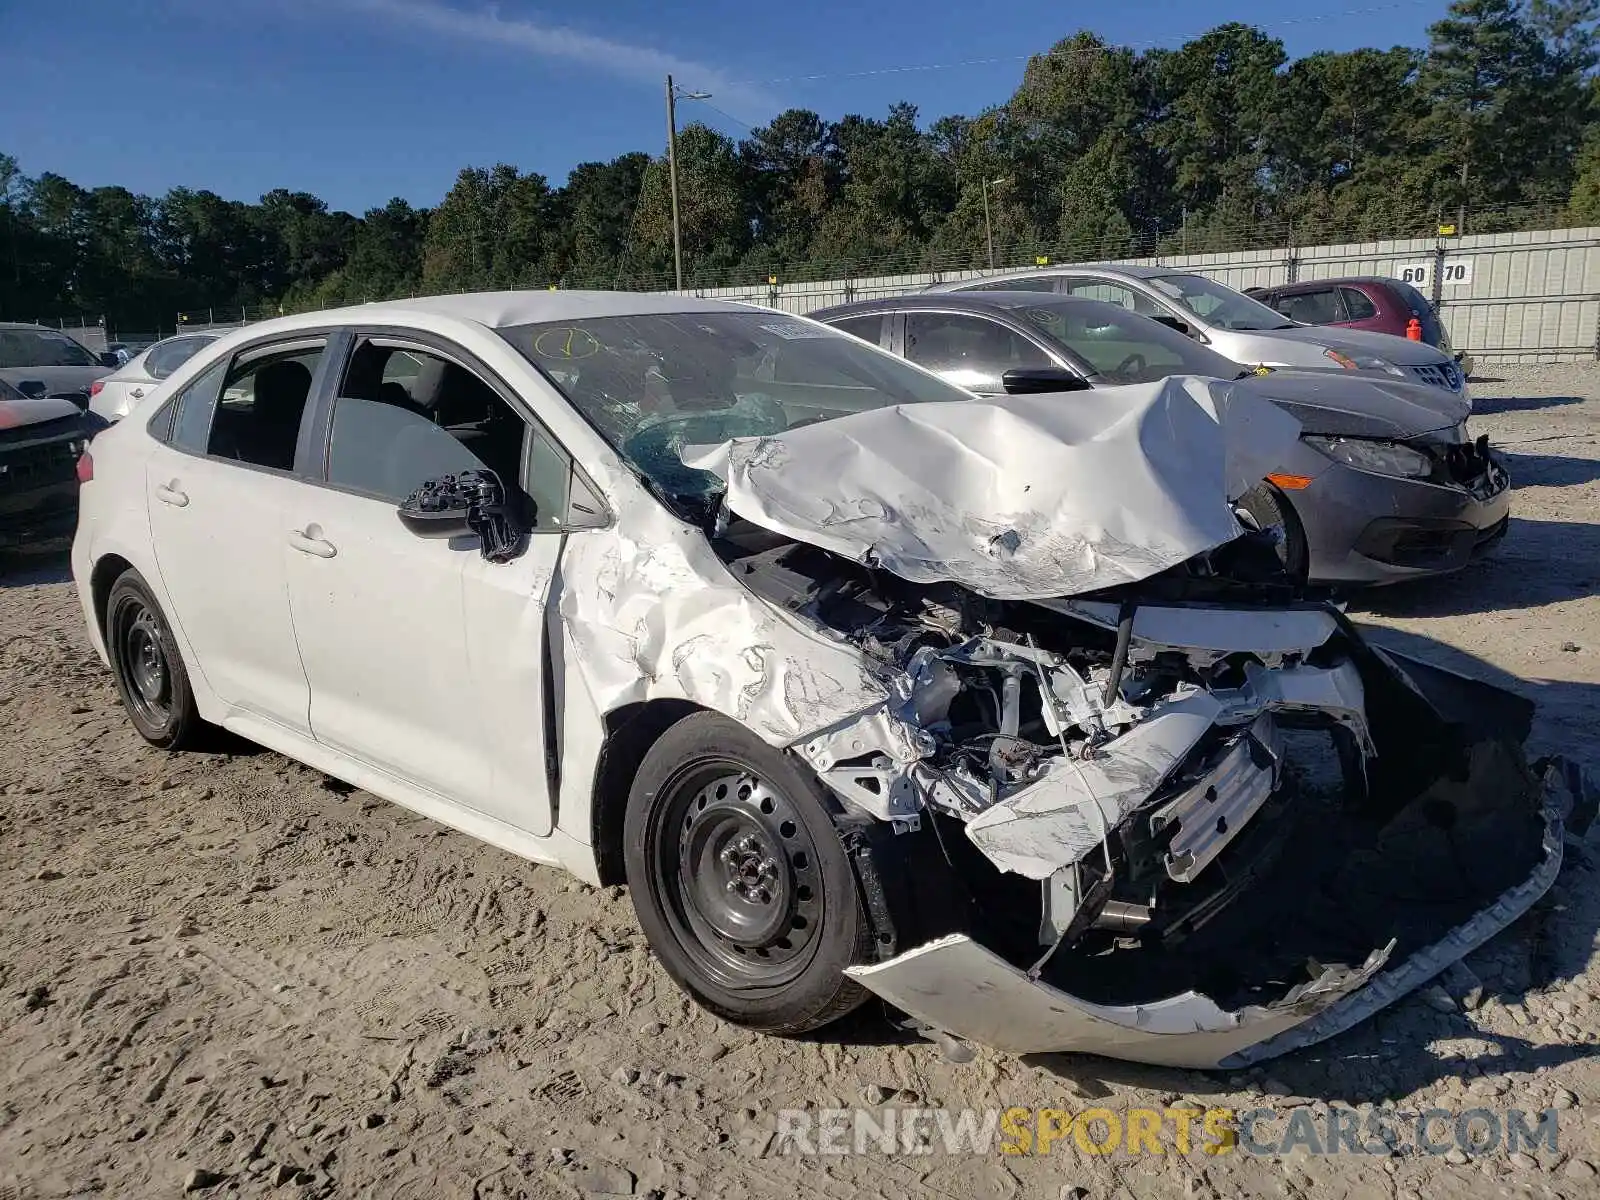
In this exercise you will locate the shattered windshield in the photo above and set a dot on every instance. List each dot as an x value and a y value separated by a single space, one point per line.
1218 306
1121 346
655 383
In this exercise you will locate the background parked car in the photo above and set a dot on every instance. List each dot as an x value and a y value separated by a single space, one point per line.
46 362
1370 302
1385 485
40 442
1231 323
118 392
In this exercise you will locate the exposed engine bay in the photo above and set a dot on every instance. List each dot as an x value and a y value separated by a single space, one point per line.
1192 804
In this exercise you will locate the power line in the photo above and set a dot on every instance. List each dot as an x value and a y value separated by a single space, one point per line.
915 68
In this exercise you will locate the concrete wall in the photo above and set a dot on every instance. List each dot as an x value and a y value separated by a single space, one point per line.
1527 297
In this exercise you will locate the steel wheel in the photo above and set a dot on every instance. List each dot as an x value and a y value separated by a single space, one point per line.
144 662
150 674
740 873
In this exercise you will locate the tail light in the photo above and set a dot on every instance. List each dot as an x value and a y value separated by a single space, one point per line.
85 468
95 387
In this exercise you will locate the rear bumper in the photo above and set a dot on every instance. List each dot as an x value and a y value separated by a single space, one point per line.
1364 528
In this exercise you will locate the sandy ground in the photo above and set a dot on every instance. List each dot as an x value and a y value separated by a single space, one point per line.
227 973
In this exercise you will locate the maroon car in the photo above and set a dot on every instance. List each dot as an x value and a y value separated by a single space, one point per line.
1361 302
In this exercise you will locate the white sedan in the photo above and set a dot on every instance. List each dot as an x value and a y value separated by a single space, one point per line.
991 707
112 396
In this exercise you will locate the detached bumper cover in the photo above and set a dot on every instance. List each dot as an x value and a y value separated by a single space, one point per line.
955 984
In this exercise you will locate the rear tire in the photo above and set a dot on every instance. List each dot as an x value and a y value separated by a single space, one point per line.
1271 507
149 670
740 880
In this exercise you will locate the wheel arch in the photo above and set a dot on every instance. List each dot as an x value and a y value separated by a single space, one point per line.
107 570
630 731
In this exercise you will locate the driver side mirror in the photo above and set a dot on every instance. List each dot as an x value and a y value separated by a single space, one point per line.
471 504
1174 323
33 389
1034 381
110 359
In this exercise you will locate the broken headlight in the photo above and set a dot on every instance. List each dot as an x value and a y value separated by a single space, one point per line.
1381 458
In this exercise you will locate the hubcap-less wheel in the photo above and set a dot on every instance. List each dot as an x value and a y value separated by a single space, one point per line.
143 658
740 870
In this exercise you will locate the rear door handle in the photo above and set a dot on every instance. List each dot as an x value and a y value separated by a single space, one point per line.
170 494
310 541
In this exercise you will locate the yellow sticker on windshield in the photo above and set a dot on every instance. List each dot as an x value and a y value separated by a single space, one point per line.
565 343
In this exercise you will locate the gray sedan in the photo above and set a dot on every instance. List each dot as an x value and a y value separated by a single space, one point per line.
1385 485
1233 324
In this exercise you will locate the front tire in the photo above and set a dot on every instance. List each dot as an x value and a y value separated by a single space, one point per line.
740 880
149 670
1268 506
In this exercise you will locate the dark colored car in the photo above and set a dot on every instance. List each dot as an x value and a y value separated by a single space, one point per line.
41 440
1369 302
39 361
1385 485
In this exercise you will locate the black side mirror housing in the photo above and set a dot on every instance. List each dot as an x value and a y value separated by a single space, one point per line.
1174 323
110 359
471 504
33 389
1034 381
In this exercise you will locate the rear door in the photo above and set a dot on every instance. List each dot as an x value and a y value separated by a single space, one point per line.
218 489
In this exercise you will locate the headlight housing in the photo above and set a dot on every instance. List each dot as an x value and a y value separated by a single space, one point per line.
1363 362
1381 458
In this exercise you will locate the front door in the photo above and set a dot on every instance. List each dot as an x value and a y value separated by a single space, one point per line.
424 659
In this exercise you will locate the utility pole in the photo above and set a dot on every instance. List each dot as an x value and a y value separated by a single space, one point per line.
672 171
672 177
988 228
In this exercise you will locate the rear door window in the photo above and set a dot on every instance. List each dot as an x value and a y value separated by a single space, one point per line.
1320 307
1357 304
263 402
868 328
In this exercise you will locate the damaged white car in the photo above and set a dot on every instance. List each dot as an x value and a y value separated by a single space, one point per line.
993 708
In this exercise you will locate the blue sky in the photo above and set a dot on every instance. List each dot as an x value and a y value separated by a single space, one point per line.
361 100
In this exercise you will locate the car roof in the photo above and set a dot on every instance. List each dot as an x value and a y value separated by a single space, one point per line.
1127 270
1302 284
980 302
504 310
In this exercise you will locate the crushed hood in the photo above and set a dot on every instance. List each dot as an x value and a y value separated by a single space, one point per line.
1347 404
1017 497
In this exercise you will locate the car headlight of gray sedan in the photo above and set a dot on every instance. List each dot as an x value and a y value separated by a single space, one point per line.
1381 458
1363 362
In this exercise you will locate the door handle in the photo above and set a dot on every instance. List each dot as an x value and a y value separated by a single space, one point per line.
310 541
168 493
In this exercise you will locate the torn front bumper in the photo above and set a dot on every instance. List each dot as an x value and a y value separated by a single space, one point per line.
955 984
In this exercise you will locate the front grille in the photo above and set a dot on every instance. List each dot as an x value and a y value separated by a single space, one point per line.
1440 375
25 468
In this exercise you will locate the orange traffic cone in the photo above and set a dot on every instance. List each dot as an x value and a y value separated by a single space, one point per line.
1414 329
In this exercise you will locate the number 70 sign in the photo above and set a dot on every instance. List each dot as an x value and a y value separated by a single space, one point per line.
1455 272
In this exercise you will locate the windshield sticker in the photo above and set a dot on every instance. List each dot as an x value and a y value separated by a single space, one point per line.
790 330
565 344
